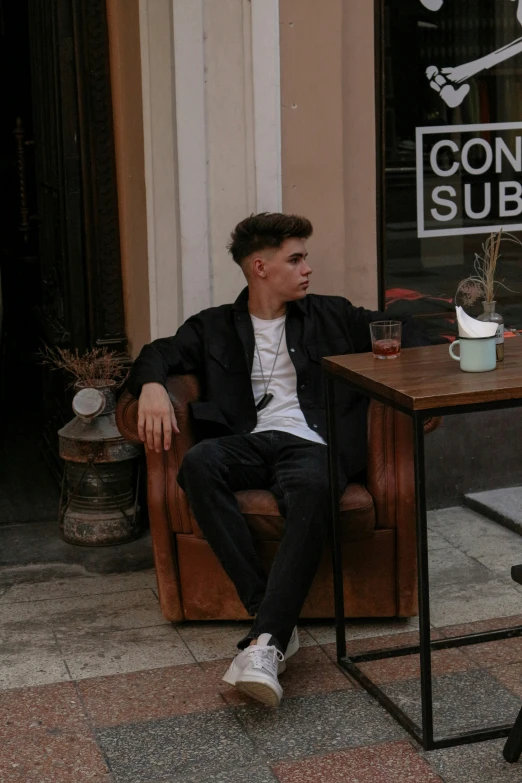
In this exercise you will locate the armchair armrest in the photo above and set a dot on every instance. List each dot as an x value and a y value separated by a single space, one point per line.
164 493
162 469
182 389
127 417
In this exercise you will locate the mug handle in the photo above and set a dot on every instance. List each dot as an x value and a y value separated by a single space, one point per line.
455 342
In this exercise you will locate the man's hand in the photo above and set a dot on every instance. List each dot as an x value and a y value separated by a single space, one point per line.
156 417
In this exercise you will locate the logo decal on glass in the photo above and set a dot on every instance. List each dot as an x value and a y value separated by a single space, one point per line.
451 82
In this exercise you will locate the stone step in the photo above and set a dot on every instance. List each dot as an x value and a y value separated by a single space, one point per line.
502 505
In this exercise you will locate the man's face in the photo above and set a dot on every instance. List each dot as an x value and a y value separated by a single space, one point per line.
287 270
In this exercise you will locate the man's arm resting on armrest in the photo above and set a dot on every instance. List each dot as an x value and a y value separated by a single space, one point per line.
176 355
156 417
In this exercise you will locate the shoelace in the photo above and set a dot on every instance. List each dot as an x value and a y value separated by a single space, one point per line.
266 658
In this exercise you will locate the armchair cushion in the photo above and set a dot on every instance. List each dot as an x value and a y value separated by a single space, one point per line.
260 510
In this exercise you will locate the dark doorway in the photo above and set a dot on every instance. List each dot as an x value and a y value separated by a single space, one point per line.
59 243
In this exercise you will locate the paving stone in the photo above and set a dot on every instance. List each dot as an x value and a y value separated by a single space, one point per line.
388 763
483 539
52 757
491 624
246 773
355 646
451 566
310 725
212 641
510 676
39 547
41 709
197 744
149 695
74 586
310 671
407 667
30 658
502 505
79 615
436 541
455 523
490 654
324 633
102 654
461 702
481 762
460 603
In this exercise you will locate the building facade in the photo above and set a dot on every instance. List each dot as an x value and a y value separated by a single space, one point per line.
146 129
227 107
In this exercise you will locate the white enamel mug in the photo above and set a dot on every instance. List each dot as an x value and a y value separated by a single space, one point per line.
477 354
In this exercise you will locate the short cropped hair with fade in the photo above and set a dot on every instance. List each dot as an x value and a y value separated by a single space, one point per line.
268 230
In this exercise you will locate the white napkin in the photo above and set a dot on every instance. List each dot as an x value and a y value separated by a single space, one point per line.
470 327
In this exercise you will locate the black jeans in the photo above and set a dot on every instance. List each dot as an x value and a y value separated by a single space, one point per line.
296 471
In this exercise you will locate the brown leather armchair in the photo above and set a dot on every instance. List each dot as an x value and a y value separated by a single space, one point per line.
378 526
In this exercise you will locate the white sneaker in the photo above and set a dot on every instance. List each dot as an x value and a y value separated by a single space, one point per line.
254 671
237 665
293 646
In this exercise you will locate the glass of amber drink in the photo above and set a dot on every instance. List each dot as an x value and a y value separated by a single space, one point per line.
386 339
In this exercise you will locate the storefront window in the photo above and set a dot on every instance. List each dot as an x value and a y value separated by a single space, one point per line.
452 119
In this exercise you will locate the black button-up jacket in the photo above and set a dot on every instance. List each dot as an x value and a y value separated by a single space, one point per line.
218 345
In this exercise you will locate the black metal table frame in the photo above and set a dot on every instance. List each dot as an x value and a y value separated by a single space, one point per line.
424 735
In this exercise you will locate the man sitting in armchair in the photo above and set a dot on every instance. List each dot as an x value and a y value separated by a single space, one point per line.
262 425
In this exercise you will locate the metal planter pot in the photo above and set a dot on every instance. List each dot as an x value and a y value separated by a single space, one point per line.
98 506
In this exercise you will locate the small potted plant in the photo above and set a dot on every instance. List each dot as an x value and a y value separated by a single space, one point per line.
483 284
98 368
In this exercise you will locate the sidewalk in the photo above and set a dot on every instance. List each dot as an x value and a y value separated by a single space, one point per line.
96 686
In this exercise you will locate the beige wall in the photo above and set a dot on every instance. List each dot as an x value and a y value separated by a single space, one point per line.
229 113
123 21
328 139
359 140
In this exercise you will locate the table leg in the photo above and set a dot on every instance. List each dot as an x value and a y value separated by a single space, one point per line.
351 665
424 584
335 533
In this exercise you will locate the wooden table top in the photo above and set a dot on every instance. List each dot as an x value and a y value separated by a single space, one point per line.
428 378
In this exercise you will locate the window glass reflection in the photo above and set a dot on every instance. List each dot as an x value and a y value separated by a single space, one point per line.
453 151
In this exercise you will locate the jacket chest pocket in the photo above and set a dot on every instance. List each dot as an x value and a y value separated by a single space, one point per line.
223 360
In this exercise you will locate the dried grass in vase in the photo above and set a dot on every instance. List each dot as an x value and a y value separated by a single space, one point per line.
95 367
483 285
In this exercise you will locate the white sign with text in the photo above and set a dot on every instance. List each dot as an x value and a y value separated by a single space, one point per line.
469 183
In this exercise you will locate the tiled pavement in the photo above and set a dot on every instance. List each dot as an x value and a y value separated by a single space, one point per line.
96 686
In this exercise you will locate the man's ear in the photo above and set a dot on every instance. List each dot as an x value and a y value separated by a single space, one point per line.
258 267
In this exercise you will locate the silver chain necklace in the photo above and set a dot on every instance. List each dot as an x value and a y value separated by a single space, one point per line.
268 396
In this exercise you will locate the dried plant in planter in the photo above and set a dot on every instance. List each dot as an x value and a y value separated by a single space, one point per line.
483 285
96 367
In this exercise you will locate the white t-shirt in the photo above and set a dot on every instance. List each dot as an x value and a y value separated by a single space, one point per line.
283 412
